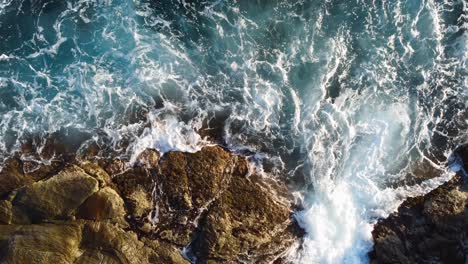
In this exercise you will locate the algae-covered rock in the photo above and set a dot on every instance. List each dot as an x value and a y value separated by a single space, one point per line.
140 202
186 185
149 158
97 172
80 242
207 196
245 223
57 196
136 186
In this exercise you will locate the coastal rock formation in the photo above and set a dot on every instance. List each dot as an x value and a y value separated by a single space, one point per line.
426 229
98 211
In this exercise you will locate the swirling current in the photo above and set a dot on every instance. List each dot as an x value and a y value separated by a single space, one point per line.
349 102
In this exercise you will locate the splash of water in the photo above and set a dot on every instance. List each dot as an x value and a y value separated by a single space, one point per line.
349 99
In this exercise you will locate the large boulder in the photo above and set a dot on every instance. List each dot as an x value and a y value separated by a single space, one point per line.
426 229
209 196
56 197
186 185
45 243
246 223
104 205
80 242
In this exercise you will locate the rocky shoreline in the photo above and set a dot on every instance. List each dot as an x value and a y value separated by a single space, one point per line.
428 229
179 208
203 207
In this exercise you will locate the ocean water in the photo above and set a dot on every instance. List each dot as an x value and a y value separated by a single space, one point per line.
350 103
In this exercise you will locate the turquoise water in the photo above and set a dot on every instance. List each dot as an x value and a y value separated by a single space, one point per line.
343 100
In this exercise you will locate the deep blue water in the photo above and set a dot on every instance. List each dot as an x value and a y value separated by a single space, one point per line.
344 100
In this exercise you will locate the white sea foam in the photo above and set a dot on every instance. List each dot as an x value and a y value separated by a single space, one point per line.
349 94
167 133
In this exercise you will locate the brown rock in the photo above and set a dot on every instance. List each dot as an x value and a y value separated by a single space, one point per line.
58 196
426 229
204 199
45 243
104 205
149 158
246 223
125 246
97 172
96 256
186 185
140 203
135 185
6 212
233 218
80 242
12 176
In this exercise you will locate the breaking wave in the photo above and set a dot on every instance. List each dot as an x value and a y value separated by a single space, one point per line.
355 104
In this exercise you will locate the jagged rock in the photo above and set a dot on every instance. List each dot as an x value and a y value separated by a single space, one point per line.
426 229
186 185
12 176
205 199
245 223
113 167
105 204
207 195
97 172
136 185
140 203
57 196
149 158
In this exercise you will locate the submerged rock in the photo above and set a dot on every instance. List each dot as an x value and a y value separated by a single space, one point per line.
426 229
102 212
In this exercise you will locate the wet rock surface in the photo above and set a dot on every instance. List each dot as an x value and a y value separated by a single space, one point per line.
104 211
426 229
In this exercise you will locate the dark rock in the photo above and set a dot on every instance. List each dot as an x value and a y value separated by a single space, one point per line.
6 212
186 185
426 229
233 218
245 224
12 176
135 185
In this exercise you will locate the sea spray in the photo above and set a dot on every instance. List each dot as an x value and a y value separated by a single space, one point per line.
350 100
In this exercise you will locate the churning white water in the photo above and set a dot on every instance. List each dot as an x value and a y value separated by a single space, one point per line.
353 103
